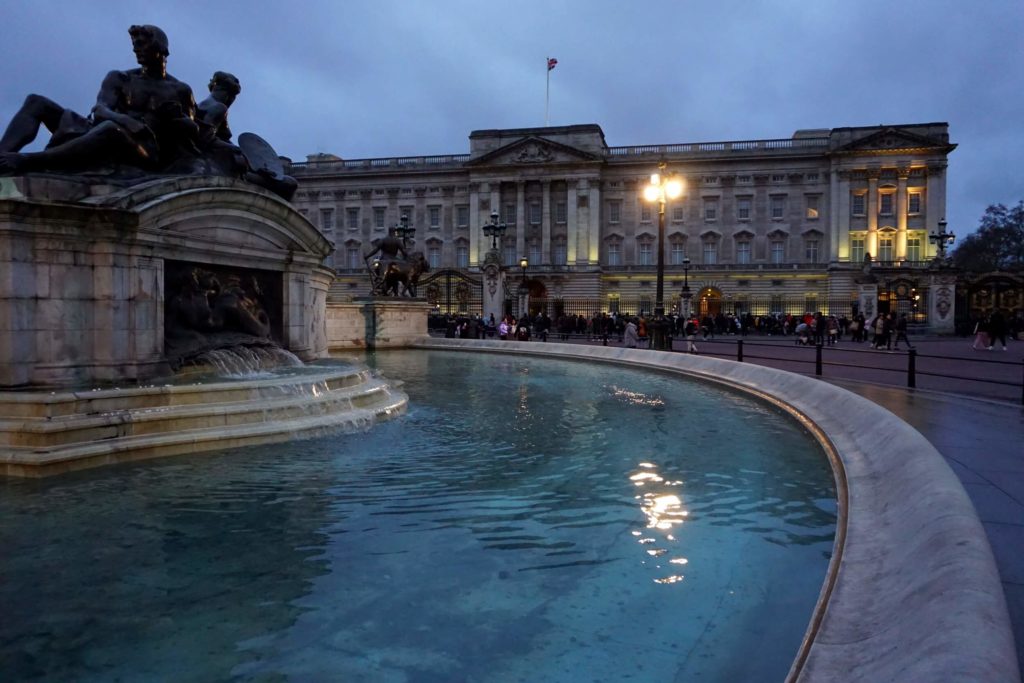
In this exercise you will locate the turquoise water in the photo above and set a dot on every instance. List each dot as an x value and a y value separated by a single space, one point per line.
527 520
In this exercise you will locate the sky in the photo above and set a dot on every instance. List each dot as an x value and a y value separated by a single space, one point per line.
381 78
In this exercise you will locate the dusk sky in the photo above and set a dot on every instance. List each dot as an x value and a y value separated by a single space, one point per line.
388 78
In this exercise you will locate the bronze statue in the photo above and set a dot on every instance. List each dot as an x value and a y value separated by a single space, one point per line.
144 117
389 249
147 121
404 275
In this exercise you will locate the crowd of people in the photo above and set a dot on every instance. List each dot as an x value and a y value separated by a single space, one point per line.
884 331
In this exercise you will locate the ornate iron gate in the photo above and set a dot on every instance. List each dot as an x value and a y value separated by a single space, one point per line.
454 292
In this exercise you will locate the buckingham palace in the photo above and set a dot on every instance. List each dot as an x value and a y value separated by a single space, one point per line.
828 219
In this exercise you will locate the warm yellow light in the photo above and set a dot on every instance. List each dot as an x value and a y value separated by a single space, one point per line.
674 188
652 193
655 179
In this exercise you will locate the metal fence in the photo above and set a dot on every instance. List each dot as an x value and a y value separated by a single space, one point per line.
702 306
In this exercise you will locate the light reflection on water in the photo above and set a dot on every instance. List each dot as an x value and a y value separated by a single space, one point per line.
527 520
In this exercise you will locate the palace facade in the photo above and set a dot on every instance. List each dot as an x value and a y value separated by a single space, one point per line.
781 225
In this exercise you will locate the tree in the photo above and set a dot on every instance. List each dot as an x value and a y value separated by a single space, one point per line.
997 245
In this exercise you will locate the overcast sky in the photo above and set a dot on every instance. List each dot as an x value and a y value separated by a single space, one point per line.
387 78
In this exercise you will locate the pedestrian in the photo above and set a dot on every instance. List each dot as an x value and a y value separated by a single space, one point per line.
691 334
981 334
630 336
996 329
901 332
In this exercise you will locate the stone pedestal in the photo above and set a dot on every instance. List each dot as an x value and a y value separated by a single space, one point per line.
376 323
83 271
494 287
867 300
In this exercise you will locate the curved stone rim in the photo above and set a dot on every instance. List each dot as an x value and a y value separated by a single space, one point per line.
912 591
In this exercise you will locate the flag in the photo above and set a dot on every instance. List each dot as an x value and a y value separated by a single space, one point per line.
552 63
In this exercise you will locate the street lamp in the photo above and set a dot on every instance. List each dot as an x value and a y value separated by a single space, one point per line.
524 263
494 230
404 231
524 288
942 239
687 294
661 189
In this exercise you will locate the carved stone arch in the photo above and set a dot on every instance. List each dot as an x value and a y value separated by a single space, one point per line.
744 233
778 234
710 235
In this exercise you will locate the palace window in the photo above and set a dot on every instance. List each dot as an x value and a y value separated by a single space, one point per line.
378 216
857 204
711 209
559 254
510 255
462 216
913 248
779 178
678 213
408 212
561 212
778 251
885 203
914 203
434 213
352 218
710 253
856 249
743 208
534 257
811 250
462 256
614 211
510 215
645 254
743 251
434 256
352 257
645 213
327 220
534 213
778 204
885 250
813 200
614 254
678 253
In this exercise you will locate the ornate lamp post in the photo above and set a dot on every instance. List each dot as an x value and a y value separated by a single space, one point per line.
661 189
687 294
404 231
494 230
524 288
942 239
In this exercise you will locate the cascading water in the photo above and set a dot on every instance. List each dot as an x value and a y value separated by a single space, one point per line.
247 362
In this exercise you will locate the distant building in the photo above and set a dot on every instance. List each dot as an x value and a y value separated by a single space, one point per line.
767 225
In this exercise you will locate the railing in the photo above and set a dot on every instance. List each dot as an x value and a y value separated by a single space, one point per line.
313 167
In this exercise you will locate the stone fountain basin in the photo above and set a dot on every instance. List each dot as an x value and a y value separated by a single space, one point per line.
46 433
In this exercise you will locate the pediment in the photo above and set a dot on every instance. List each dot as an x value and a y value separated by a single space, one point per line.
894 140
533 150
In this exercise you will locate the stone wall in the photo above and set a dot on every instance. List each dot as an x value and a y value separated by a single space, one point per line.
376 322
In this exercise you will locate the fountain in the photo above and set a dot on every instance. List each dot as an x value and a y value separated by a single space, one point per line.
121 264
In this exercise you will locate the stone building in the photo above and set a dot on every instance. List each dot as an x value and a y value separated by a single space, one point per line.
763 226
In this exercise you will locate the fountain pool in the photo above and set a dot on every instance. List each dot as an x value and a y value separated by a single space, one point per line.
528 519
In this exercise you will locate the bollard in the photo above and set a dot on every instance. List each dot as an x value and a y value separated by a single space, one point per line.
739 351
817 360
912 368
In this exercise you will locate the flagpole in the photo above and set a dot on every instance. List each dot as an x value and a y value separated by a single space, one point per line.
547 89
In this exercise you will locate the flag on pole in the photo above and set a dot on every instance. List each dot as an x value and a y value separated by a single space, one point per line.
552 63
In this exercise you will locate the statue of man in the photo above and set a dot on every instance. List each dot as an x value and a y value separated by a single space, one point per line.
143 117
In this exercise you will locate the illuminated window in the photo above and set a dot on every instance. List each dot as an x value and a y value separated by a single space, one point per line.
857 249
885 251
812 206
913 248
743 251
857 205
914 202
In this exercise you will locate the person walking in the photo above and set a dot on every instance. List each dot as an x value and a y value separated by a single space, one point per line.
981 335
901 332
629 335
996 329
